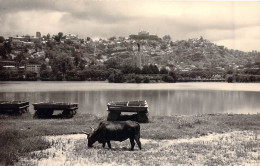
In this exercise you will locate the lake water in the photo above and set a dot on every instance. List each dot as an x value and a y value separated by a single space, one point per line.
163 98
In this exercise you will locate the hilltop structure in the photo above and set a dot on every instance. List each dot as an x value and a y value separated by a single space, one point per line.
143 35
38 34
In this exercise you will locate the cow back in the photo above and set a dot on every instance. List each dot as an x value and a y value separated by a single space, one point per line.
120 130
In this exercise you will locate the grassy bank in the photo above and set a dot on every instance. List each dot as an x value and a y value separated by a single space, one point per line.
20 135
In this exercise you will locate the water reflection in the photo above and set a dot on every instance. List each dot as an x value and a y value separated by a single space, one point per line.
161 102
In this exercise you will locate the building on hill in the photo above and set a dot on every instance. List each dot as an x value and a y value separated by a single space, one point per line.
38 34
33 67
18 38
143 35
8 63
72 38
26 38
9 68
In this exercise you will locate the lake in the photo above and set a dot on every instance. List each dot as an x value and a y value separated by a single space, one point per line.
163 98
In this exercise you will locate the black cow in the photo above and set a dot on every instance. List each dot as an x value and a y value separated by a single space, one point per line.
115 131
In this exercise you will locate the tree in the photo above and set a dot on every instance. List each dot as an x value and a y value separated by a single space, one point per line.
5 49
50 44
57 38
46 75
128 69
167 38
154 69
60 35
113 63
163 71
48 36
163 46
168 79
72 75
59 76
4 76
112 38
230 79
89 39
173 75
43 67
31 76
68 41
146 80
38 45
146 70
77 58
153 44
138 79
116 77
2 39
3 52
138 70
82 64
20 57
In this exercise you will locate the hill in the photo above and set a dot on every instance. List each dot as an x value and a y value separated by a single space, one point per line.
96 60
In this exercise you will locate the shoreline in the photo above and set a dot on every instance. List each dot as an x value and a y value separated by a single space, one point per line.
31 86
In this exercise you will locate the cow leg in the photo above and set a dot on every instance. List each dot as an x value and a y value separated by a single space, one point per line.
109 144
137 140
132 143
104 144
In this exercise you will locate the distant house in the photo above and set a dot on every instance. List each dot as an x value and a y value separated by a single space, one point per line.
143 35
38 34
21 68
33 67
9 68
8 63
73 38
220 68
17 43
17 39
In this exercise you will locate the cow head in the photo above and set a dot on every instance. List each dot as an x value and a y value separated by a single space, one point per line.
90 137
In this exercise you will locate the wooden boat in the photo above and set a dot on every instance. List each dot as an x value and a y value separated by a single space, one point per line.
128 106
46 109
139 107
18 107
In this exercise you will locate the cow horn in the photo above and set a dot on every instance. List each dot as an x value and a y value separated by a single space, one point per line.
92 129
84 132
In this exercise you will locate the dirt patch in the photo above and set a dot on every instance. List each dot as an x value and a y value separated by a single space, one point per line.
233 148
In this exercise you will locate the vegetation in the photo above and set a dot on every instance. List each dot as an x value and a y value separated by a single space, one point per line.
235 148
250 74
15 143
17 76
243 78
21 135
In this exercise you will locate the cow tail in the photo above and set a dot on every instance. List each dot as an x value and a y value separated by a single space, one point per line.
138 130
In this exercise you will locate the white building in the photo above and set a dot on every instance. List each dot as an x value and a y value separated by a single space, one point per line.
33 67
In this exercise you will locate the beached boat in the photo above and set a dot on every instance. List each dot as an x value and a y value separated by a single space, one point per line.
139 107
128 106
46 109
16 107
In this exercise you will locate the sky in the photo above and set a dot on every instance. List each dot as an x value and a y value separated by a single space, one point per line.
234 24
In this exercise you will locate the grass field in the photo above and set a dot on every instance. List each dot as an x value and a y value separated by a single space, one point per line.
19 136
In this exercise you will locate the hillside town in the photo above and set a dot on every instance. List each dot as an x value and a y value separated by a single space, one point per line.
141 57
